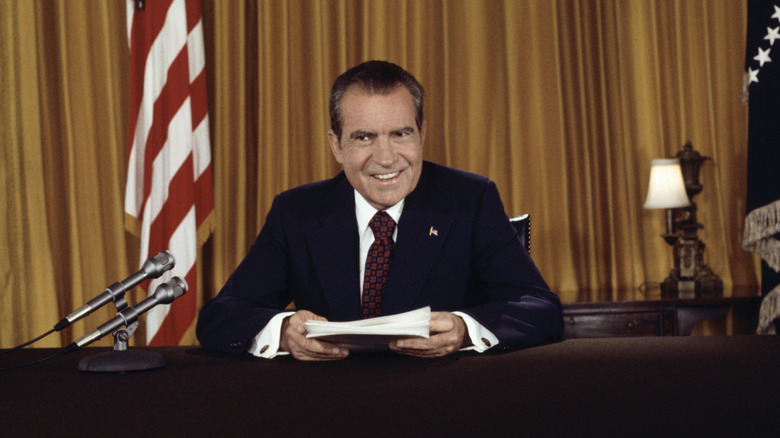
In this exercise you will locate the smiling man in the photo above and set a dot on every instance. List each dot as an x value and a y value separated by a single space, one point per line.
390 233
381 148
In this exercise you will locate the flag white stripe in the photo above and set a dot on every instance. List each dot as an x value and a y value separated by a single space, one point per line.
164 167
130 13
197 58
173 154
201 153
183 245
134 190
162 53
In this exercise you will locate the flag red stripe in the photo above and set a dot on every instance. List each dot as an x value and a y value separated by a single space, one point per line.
175 208
173 212
168 104
193 14
204 202
199 99
181 315
146 27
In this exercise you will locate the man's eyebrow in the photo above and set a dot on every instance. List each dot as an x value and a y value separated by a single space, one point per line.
356 134
404 130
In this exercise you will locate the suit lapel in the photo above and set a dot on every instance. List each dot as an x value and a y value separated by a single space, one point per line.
334 252
422 230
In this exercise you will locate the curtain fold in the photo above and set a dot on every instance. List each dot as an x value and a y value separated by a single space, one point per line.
64 121
27 268
563 103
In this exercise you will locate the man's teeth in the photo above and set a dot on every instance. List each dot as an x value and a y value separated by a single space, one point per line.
387 175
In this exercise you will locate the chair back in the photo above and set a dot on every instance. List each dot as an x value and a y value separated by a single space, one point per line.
522 224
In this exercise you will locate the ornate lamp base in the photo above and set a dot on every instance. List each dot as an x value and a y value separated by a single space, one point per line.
691 278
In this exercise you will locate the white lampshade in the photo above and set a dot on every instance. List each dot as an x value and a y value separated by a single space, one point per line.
667 188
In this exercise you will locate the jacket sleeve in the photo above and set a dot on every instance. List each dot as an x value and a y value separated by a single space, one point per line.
255 292
515 302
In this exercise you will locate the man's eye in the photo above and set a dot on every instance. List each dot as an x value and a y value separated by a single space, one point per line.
361 137
403 133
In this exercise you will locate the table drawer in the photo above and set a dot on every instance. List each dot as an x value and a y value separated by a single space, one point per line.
615 324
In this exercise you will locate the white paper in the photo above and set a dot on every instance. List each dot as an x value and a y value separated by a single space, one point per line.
372 333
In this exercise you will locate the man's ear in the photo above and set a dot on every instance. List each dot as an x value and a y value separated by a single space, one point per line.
422 133
335 146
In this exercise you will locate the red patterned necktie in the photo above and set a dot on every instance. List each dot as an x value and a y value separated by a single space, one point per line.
380 255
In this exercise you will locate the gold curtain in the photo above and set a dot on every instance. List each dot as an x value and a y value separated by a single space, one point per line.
562 103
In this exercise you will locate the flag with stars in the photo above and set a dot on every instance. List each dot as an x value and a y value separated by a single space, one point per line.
762 93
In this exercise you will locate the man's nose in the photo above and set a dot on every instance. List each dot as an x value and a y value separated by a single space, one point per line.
384 153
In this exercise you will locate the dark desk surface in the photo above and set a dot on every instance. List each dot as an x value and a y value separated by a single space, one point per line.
675 386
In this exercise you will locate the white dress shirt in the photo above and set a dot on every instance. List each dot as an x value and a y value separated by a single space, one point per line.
266 343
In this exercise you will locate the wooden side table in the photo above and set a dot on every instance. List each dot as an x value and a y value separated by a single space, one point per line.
655 317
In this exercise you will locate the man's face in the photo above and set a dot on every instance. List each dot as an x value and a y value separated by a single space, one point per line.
381 147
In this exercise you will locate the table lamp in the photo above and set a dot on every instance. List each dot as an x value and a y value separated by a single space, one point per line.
673 183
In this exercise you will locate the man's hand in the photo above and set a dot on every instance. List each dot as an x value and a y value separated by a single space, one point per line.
294 340
448 335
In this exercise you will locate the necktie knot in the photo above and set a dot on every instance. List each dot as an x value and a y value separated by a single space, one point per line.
382 225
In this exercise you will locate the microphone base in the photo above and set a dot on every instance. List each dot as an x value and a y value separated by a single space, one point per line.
121 361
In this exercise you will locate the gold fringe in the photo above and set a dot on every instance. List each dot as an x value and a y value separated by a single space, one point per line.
206 228
761 226
770 311
132 225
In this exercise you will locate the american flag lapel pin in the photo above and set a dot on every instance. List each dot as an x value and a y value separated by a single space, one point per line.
433 232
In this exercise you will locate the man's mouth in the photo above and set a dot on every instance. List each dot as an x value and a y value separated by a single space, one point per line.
386 176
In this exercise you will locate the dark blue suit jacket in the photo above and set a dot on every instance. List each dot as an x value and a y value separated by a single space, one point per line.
307 252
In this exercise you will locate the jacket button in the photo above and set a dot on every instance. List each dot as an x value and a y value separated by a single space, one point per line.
236 345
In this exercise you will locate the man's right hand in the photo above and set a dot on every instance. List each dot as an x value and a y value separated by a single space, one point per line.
295 342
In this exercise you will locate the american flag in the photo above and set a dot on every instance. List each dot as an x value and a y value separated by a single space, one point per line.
169 195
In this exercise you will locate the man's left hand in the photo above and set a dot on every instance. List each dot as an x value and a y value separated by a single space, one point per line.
448 334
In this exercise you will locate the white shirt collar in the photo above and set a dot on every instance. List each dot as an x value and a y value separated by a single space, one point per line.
364 212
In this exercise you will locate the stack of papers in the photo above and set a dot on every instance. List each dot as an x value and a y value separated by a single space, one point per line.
374 333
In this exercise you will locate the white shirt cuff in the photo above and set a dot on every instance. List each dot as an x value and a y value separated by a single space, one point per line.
481 338
266 343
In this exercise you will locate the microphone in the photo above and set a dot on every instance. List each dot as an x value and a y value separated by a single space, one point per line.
152 268
164 294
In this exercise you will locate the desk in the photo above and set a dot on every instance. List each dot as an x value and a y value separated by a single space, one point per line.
667 317
675 386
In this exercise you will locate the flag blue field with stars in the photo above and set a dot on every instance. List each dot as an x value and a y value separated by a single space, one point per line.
762 82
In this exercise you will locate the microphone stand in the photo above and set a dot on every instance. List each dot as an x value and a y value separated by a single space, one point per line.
121 359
